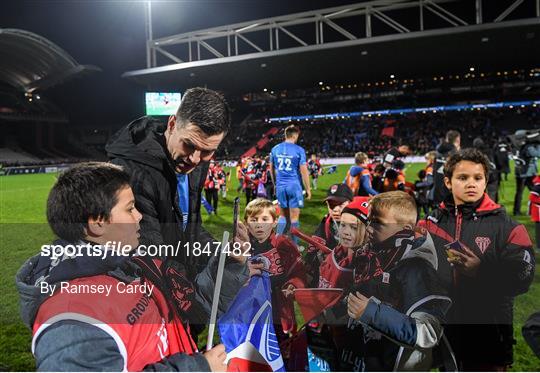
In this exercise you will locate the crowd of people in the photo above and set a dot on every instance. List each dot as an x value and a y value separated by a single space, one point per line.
393 292
343 136
406 276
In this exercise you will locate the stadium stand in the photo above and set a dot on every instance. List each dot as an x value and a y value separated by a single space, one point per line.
35 130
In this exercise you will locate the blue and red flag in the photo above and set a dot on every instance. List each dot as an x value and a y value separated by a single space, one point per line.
247 330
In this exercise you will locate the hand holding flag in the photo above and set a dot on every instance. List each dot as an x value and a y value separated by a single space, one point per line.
247 330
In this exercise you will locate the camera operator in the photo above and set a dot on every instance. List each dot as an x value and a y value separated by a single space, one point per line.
528 143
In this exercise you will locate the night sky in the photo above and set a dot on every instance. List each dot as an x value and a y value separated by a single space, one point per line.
111 35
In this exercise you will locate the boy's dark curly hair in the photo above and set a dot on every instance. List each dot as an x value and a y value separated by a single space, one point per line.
469 154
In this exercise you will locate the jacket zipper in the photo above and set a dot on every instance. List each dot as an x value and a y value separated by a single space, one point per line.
457 234
459 218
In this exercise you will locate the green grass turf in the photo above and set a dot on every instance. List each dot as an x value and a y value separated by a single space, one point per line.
23 230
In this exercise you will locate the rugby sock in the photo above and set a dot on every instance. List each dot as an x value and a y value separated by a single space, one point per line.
295 224
281 225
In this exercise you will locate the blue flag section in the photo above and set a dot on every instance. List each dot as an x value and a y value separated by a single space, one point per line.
247 330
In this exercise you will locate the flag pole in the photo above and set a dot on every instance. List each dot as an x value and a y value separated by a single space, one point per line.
217 290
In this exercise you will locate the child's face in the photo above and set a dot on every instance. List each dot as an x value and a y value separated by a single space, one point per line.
335 208
384 225
123 225
351 231
260 226
468 182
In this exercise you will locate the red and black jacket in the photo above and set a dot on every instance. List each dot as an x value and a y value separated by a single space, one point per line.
506 270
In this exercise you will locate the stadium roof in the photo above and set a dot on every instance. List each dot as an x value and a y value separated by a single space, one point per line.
30 62
487 44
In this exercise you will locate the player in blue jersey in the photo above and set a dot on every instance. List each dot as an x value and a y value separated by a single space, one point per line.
288 166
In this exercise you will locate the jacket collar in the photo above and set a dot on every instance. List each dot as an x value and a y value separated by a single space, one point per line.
483 206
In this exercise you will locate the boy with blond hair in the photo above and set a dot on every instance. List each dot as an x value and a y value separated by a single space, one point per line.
396 305
280 257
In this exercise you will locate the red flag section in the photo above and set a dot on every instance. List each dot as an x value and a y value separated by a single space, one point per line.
388 131
314 301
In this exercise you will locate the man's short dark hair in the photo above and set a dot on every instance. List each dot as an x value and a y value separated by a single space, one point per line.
451 136
469 154
88 190
205 108
291 131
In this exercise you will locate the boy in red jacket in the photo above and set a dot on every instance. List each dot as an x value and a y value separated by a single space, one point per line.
112 311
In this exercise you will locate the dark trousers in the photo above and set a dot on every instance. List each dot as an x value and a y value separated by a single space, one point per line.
422 207
537 234
521 183
251 194
493 188
212 198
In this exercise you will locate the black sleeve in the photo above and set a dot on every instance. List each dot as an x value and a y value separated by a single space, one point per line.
235 275
320 231
180 363
421 289
146 193
531 333
511 272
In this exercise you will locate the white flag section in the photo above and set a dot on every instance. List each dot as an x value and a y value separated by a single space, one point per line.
247 330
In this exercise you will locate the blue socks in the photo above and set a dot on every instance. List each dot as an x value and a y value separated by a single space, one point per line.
295 224
281 225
